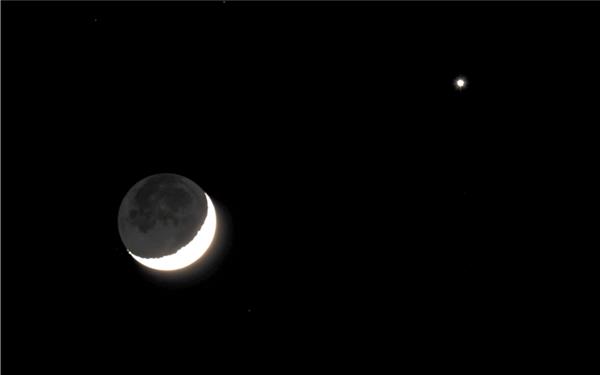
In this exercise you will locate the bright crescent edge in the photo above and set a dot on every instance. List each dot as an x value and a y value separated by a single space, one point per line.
191 252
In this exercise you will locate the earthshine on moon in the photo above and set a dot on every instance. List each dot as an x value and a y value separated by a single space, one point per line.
167 222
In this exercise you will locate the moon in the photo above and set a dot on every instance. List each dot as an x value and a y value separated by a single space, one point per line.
167 222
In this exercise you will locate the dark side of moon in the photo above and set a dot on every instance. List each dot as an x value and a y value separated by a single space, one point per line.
161 214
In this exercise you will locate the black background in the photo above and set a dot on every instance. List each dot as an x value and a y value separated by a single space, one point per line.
368 210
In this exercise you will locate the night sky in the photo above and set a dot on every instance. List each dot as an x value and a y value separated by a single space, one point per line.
370 214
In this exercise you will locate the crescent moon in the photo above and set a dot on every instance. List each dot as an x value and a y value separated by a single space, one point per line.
191 252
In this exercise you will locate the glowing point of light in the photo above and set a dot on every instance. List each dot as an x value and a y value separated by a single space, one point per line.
460 83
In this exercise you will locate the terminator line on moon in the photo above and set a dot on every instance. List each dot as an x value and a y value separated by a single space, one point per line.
167 222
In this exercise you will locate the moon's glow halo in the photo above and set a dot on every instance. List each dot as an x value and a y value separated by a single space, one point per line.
191 252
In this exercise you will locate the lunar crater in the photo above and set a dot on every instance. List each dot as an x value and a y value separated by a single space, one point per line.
161 214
